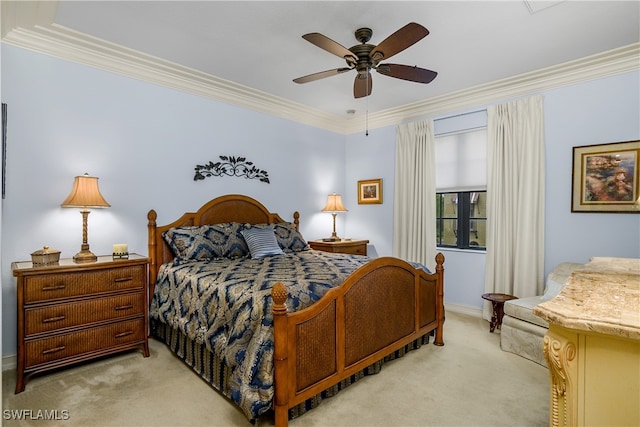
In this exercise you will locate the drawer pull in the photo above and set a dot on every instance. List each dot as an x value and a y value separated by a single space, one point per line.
123 279
54 350
53 319
124 307
54 287
123 334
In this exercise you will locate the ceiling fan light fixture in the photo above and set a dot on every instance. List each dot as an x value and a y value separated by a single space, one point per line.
366 57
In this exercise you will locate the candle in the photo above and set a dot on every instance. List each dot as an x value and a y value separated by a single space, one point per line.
120 249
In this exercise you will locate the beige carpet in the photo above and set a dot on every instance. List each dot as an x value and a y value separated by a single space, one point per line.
468 382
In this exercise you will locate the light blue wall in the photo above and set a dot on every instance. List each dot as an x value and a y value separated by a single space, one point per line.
143 142
596 112
371 157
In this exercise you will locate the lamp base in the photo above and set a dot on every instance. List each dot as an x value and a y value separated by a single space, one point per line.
334 236
84 256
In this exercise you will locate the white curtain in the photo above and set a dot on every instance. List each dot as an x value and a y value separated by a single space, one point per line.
515 199
414 209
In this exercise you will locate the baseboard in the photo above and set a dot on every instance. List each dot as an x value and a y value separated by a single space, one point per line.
9 362
463 309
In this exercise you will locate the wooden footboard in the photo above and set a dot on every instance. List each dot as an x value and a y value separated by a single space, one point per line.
380 308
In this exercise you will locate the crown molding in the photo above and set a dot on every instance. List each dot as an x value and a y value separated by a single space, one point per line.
27 14
64 43
33 30
616 61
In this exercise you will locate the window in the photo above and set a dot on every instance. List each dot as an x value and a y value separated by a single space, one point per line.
461 182
461 219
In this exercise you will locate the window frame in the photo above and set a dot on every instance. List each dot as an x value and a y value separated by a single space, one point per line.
463 217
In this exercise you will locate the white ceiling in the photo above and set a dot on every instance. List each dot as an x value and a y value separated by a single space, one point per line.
258 44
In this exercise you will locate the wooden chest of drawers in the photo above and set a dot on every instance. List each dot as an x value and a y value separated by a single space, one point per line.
71 312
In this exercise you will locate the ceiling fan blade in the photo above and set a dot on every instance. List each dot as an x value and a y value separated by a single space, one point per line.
324 42
407 72
362 85
398 41
321 75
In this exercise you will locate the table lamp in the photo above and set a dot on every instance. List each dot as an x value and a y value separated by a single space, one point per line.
84 195
334 205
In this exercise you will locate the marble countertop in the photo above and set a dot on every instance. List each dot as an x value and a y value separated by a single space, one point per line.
602 296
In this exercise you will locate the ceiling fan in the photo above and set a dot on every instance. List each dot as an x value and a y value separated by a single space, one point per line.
365 57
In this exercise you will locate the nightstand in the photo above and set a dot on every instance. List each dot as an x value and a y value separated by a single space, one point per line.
355 247
72 312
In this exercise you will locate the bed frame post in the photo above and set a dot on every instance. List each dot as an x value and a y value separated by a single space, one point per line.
152 247
440 299
280 355
296 220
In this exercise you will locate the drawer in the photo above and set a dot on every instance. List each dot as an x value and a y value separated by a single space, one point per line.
53 317
86 341
63 285
355 250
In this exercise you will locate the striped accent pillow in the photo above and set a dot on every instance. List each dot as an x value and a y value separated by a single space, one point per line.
288 236
262 242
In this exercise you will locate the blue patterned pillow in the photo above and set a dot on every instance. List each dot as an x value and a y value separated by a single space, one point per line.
288 237
190 243
198 243
262 242
227 240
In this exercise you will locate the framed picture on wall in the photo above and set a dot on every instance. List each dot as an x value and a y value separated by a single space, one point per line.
370 191
606 178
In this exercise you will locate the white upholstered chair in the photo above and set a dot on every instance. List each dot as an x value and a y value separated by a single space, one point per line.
522 332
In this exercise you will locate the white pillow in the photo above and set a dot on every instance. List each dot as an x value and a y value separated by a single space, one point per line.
261 242
553 289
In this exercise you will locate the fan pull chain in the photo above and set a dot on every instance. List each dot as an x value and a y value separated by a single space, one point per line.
366 132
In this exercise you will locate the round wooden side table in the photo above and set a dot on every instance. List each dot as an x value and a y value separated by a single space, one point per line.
497 301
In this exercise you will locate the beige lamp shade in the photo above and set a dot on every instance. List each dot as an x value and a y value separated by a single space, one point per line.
85 194
334 204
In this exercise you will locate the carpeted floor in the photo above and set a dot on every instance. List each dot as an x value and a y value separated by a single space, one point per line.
468 382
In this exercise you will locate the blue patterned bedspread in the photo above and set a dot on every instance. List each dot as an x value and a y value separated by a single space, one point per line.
226 304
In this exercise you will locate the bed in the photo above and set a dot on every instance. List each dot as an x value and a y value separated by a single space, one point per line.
286 329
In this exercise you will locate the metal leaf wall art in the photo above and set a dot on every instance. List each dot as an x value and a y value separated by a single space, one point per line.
231 166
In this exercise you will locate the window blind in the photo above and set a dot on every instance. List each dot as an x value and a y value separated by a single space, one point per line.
461 161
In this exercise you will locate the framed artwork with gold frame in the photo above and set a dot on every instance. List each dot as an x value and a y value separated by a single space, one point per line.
370 191
606 178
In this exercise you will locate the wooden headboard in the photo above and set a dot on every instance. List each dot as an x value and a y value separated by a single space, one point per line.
229 208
